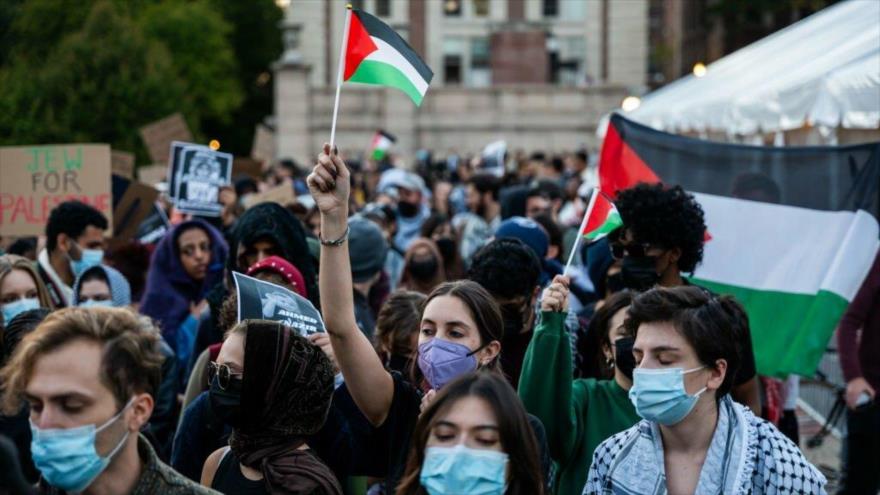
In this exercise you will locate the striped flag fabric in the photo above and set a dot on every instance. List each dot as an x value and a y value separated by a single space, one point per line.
381 143
602 217
792 238
376 54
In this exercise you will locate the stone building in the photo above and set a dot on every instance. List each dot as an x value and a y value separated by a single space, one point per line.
537 73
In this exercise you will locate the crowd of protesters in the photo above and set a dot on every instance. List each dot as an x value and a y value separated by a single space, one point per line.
459 357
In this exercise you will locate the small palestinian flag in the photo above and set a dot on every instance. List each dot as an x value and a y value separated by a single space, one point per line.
380 145
602 217
376 54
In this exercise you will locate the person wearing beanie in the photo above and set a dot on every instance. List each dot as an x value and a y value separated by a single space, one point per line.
533 235
367 252
274 388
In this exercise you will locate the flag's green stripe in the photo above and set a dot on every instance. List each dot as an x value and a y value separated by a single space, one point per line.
614 221
378 154
790 332
371 72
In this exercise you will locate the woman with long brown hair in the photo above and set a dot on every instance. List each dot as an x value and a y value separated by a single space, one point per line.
21 288
475 437
460 332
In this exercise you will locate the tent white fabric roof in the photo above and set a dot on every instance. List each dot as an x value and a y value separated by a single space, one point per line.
823 70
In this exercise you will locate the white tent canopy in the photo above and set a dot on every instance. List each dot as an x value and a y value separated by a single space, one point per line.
821 71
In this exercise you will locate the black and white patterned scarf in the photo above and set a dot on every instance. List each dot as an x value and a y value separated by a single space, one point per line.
747 455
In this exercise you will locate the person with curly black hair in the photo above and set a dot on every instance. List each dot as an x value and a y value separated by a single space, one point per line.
510 271
662 236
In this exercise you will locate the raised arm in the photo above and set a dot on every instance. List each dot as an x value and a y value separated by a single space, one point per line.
371 386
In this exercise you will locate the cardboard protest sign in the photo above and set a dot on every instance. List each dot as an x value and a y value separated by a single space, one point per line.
263 148
132 202
154 226
259 300
122 163
34 179
283 195
159 135
153 174
247 166
195 177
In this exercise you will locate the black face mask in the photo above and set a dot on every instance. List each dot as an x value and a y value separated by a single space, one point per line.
513 318
614 284
623 356
226 404
424 269
447 250
407 209
639 274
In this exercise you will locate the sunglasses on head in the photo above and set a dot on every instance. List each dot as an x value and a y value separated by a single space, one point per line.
223 373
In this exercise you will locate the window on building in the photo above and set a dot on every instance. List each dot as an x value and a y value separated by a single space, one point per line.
452 69
383 8
452 8
481 8
551 8
480 74
567 60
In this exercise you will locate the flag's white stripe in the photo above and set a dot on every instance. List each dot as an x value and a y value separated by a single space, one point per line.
390 56
382 142
783 248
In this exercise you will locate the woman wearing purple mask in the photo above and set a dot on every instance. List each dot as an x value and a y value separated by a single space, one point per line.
460 332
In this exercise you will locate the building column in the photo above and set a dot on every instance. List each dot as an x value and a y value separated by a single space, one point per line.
292 99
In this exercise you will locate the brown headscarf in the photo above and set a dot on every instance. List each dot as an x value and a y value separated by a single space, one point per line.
286 392
407 281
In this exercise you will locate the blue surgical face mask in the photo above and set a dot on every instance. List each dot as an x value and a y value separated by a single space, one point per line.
659 394
460 469
92 303
89 258
15 308
67 458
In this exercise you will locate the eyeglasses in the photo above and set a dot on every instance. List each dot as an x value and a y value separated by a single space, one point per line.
223 373
619 251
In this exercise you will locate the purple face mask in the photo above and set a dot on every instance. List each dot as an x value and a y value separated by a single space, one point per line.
442 361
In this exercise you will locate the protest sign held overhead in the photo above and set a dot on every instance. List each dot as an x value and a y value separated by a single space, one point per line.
34 179
154 226
259 300
122 163
132 203
283 195
158 135
195 176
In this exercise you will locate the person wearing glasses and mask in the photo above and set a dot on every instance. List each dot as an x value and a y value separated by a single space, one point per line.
662 237
89 377
693 438
274 388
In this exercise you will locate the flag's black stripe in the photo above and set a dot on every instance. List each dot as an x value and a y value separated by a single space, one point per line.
817 177
381 30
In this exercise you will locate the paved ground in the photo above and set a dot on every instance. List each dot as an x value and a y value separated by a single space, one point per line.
826 456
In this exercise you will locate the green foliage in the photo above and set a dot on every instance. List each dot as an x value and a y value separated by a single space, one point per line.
97 70
99 84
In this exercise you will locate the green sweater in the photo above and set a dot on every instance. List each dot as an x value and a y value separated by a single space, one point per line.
577 414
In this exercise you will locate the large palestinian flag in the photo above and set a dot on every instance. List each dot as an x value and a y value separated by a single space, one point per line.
792 238
376 54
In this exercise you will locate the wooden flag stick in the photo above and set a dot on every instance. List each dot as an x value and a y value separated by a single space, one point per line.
577 240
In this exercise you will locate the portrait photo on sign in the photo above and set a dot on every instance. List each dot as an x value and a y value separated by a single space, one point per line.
196 176
260 300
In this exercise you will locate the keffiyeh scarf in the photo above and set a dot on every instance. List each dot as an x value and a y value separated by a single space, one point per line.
747 455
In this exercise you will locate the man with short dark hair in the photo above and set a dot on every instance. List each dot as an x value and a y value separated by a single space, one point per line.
483 215
74 243
692 437
89 377
510 271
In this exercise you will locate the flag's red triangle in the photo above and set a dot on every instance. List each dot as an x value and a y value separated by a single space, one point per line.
359 46
619 166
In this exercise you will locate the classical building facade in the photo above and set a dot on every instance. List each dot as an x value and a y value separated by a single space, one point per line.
537 73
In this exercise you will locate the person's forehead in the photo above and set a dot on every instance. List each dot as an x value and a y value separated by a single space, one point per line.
92 232
232 350
192 235
17 278
469 412
74 367
446 308
655 335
